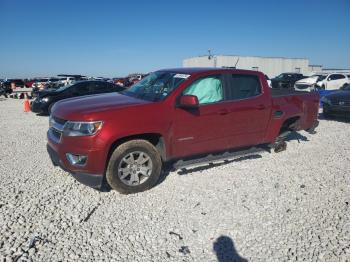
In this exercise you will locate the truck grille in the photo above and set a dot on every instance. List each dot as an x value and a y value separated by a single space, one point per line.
56 128
341 103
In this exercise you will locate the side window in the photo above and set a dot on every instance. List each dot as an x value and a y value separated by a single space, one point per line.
244 86
98 86
208 89
331 77
115 88
339 76
81 89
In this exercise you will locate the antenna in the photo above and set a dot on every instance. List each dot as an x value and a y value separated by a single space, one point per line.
210 56
237 62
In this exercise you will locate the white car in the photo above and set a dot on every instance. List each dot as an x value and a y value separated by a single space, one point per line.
40 83
325 82
67 80
333 82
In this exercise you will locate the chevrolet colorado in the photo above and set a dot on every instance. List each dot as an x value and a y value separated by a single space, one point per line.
124 139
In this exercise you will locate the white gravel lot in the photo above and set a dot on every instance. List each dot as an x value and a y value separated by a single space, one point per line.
271 207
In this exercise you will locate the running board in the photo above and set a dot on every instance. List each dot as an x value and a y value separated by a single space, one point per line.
216 158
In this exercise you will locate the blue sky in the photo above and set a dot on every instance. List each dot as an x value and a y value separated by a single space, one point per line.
114 38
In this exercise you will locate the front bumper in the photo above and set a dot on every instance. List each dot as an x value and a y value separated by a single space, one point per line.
83 176
336 110
38 107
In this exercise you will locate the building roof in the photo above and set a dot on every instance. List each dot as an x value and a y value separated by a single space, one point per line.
275 57
198 70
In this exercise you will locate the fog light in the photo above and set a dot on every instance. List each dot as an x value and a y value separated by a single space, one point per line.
76 160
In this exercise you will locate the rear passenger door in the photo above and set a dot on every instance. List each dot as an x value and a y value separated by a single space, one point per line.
249 109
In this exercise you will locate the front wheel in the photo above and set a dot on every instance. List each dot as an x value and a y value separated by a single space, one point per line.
326 113
134 166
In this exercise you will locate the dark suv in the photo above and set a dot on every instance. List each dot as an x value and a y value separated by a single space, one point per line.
286 80
46 98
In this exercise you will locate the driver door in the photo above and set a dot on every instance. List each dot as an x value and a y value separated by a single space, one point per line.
203 129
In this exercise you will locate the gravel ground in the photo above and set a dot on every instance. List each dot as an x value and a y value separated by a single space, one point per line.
288 206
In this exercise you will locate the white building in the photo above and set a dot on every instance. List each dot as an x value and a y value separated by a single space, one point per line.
271 66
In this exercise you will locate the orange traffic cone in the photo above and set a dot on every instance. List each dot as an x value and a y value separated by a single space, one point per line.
26 104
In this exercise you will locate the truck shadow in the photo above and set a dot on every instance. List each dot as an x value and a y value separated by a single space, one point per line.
296 136
225 250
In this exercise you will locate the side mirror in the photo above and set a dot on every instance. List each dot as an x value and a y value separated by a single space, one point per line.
189 102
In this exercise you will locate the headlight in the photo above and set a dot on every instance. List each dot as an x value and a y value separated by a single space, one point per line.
326 100
72 128
45 99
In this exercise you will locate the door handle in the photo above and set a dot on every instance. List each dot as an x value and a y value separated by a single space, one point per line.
223 112
261 107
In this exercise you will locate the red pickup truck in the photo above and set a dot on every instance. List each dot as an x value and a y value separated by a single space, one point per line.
124 139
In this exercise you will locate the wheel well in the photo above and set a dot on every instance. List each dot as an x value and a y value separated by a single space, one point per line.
154 138
290 124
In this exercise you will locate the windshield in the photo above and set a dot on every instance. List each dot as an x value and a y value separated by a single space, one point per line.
156 86
321 77
284 76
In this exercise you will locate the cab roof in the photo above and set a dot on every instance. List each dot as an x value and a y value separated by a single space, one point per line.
199 70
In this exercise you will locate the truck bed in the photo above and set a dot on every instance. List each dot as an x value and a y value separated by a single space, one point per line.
277 92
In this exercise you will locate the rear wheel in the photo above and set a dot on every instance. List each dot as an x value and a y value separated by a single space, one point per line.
134 166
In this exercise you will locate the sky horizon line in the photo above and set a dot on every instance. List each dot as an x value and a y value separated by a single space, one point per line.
115 38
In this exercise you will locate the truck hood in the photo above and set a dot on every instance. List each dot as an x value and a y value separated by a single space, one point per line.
81 107
307 81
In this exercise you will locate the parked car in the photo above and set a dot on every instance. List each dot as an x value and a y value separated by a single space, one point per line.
47 98
122 81
170 115
18 83
309 83
268 81
70 79
286 80
337 103
40 83
29 82
136 78
333 82
54 82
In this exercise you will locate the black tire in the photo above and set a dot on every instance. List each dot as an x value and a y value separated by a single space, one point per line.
326 113
117 157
